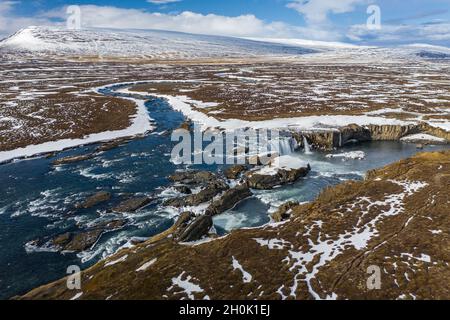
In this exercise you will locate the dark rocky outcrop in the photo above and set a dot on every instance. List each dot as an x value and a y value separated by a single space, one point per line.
391 132
132 205
353 132
328 139
235 172
211 190
229 199
197 229
111 225
434 131
74 159
183 189
260 181
284 212
318 139
77 242
112 144
193 177
175 202
207 194
94 200
183 221
263 182
180 225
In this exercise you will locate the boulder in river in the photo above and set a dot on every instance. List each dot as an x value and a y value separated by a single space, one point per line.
205 195
77 242
183 189
176 202
111 225
112 144
132 205
283 170
68 160
234 172
197 229
94 200
229 199
193 177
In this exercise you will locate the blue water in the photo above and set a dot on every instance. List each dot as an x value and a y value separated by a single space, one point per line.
37 199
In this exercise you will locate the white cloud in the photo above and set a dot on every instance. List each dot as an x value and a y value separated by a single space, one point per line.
240 26
316 11
191 22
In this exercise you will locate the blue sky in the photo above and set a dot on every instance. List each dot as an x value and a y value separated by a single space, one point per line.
337 20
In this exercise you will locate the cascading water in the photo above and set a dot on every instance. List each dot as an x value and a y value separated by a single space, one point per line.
307 146
286 146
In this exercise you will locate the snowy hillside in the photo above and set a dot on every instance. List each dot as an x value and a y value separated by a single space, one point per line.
166 45
312 44
427 51
136 43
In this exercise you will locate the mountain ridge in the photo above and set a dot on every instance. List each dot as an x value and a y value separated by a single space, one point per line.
139 43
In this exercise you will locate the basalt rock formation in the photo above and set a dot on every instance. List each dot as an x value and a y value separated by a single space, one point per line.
197 229
193 177
284 211
328 139
229 199
94 200
262 181
211 190
132 205
234 172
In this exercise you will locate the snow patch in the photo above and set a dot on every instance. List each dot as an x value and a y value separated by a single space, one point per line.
146 265
121 259
246 277
354 155
187 286
422 137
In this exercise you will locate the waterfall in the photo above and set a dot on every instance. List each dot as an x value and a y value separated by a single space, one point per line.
285 146
307 146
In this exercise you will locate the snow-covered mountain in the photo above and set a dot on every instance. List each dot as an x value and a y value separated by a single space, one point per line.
428 51
136 43
166 45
